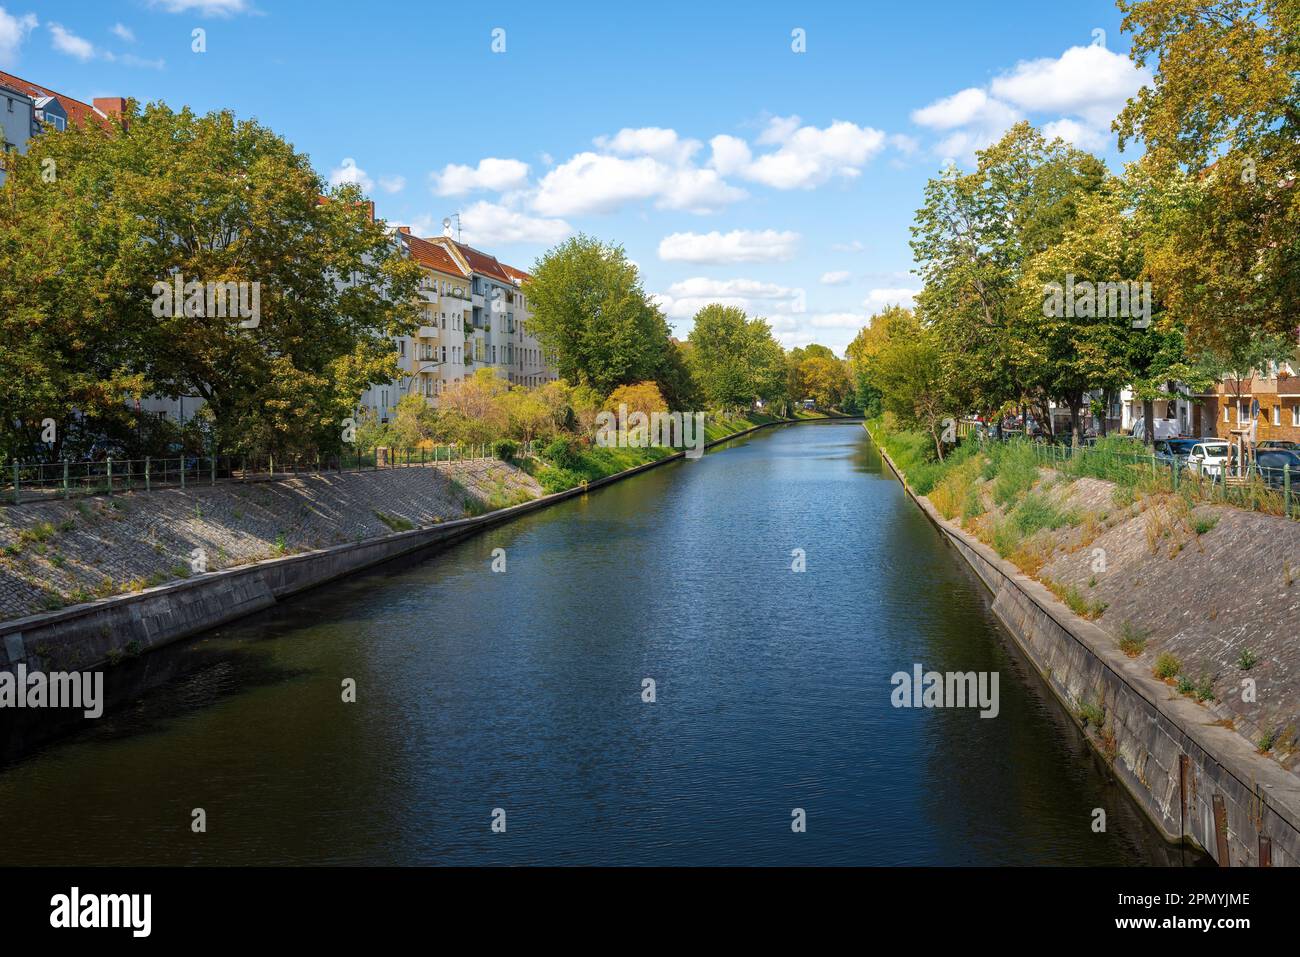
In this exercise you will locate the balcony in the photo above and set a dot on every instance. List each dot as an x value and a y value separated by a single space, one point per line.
427 332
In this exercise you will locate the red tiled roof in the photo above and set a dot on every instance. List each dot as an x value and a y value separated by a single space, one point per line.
481 262
432 255
517 274
77 111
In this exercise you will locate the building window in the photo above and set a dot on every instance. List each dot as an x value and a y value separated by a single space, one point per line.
1295 416
1277 415
1225 413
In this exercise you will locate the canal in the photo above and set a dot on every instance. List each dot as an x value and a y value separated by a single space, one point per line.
522 690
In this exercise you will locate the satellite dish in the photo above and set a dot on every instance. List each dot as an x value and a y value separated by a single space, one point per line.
446 222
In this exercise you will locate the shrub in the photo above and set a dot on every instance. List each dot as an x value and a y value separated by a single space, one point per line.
505 450
564 453
1247 659
1132 640
1092 714
1166 666
558 480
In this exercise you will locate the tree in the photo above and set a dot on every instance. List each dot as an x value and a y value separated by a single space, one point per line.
734 359
643 397
914 382
208 199
591 313
971 239
1221 128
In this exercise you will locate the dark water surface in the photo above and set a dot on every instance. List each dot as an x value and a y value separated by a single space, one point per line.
523 691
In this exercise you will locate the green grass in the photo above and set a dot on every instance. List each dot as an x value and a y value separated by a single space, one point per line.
1132 639
395 522
1166 666
1203 525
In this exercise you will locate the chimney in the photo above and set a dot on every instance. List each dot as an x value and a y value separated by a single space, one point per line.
404 229
370 209
111 106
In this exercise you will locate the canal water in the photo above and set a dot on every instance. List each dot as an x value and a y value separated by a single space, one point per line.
522 692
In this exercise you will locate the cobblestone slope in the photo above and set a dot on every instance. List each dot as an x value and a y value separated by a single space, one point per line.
60 553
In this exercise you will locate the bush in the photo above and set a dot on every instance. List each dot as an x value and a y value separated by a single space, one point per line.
505 449
1166 666
564 453
558 480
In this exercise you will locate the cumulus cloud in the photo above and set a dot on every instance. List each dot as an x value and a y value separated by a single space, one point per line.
497 175
123 32
1081 90
663 144
349 172
14 30
737 246
600 183
837 278
684 299
392 184
805 157
878 299
68 42
490 224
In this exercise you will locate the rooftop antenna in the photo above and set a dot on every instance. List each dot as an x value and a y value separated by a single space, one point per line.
446 225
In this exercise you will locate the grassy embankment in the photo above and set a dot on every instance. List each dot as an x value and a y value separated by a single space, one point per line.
1002 494
567 463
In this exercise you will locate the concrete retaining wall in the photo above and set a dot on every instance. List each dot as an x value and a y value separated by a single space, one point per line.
1161 746
92 634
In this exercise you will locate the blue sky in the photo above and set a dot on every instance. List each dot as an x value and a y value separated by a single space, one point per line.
730 167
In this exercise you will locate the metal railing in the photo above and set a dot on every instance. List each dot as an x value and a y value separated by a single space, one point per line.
48 481
1254 487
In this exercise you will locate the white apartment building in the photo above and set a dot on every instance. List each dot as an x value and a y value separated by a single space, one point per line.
475 316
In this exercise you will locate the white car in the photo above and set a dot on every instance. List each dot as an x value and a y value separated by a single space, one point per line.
1209 458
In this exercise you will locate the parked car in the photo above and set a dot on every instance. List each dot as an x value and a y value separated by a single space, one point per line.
1209 458
1272 465
1173 451
1273 444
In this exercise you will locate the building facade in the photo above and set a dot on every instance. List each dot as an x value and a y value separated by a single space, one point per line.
474 315
1264 406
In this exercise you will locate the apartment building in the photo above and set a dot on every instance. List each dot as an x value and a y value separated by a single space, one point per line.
25 108
474 315
1264 405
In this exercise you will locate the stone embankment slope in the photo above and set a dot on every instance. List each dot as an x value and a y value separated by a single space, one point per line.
61 553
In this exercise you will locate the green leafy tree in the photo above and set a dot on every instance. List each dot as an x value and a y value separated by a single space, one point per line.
213 200
591 313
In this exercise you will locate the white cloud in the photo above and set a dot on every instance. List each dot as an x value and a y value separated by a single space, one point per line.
737 246
67 42
663 144
123 32
853 246
392 184
596 183
809 156
837 278
349 172
1080 92
1091 81
684 299
492 174
1079 134
779 129
730 154
205 8
837 320
13 31
878 299
488 224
